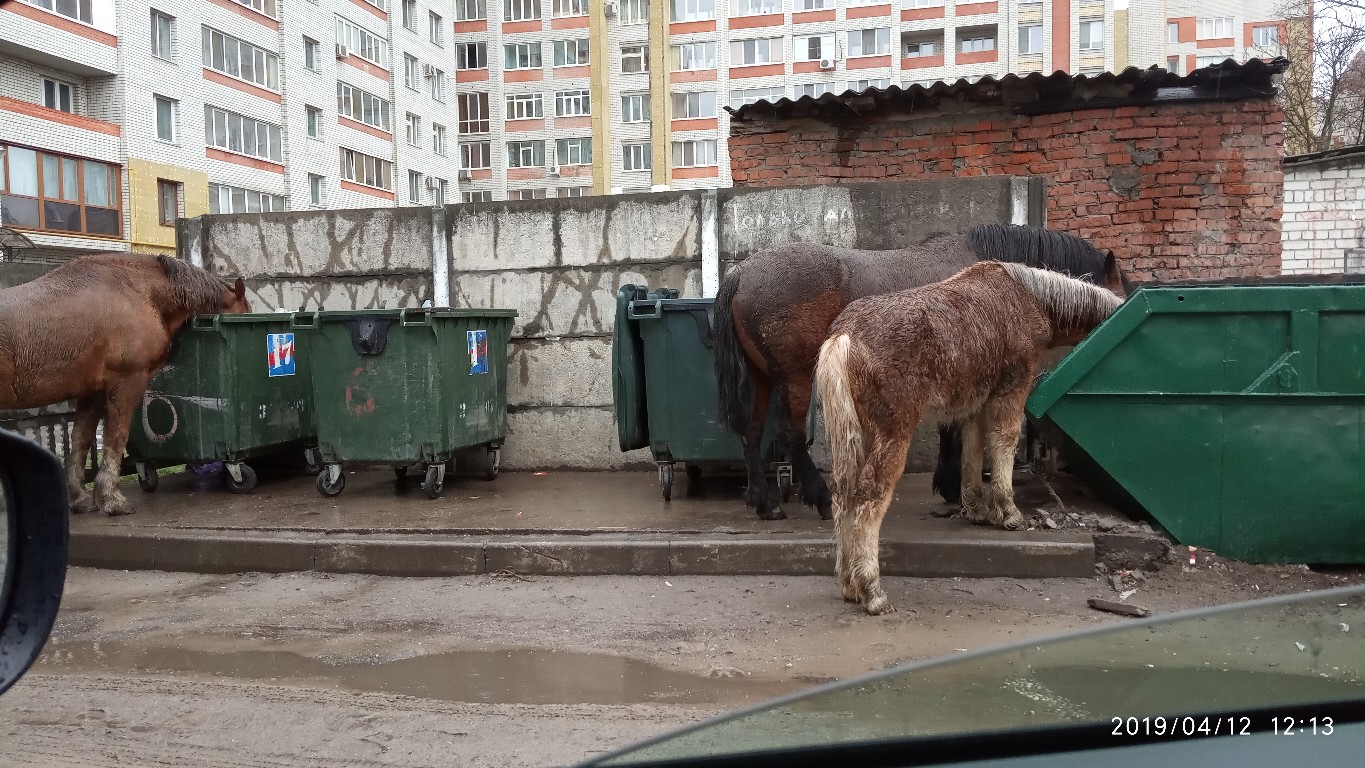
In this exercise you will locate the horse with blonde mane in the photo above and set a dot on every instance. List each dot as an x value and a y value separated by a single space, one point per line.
964 350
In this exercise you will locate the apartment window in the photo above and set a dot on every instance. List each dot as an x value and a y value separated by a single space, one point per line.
161 36
692 154
694 56
165 117
471 55
976 44
438 139
571 52
1173 65
438 85
757 7
863 85
921 3
634 58
524 106
574 151
168 202
57 95
1031 39
636 157
243 135
525 154
747 53
314 122
817 5
521 10
442 186
476 155
435 30
315 189
869 42
312 54
742 96
226 199
241 59
478 196
694 10
521 56
917 48
1172 32
55 193
1265 37
382 5
470 10
410 14
573 192
414 186
413 131
526 194
562 8
412 73
1211 29
813 48
692 105
363 43
1210 61
75 9
814 90
635 108
363 106
573 104
473 112
366 169
634 12
1092 34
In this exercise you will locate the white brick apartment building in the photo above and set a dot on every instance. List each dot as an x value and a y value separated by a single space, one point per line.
185 108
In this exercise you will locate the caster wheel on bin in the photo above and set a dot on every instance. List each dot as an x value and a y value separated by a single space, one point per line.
327 488
492 459
666 481
147 479
248 480
432 483
310 461
784 485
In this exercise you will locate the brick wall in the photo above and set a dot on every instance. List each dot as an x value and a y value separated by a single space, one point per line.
1324 215
1174 189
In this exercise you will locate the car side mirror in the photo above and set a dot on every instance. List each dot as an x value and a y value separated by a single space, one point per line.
33 548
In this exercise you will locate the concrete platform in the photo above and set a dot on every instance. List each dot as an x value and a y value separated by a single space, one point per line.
561 523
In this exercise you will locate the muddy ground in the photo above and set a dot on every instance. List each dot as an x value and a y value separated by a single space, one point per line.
153 668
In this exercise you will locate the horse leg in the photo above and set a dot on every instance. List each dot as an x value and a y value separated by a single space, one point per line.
876 487
120 403
948 473
814 490
973 445
758 495
1002 441
89 409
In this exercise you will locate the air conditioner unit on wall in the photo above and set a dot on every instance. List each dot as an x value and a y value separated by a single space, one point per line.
342 51
609 10
554 170
826 63
431 184
465 175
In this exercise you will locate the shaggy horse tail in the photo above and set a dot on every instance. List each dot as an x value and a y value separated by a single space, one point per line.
732 367
841 413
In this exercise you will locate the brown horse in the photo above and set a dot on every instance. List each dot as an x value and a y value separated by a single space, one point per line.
964 350
773 311
94 330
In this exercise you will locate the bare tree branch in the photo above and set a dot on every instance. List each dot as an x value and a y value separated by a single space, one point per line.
1323 93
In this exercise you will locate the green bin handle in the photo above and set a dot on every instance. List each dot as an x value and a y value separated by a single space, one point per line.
645 310
306 320
407 317
204 322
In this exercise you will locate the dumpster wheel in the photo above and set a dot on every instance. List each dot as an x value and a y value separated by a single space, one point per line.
147 478
666 479
328 488
434 481
492 460
248 482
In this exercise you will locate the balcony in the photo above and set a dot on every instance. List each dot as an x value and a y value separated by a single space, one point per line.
57 41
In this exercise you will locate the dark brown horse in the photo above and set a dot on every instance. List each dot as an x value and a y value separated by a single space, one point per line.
964 350
94 330
774 310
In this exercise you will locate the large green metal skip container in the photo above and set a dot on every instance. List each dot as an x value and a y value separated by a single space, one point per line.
665 389
408 388
1233 414
235 388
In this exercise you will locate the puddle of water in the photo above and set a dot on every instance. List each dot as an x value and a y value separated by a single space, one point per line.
517 676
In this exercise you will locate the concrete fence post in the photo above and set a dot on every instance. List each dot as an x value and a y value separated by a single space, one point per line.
710 244
440 259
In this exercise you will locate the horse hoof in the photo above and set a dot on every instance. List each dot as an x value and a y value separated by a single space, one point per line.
939 512
1015 523
775 513
826 510
82 506
879 605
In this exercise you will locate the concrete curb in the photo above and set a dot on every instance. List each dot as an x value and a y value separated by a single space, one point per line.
597 554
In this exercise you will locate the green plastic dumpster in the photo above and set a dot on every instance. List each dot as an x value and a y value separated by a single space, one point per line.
1233 414
665 391
235 388
408 388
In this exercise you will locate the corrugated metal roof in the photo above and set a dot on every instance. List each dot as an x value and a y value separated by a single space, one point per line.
1037 93
1330 154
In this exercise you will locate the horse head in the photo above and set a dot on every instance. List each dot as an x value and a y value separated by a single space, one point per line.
233 300
1114 277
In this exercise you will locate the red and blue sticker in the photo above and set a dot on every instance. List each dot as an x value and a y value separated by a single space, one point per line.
478 352
280 360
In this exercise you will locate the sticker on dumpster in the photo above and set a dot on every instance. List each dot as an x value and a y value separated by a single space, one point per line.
281 349
478 352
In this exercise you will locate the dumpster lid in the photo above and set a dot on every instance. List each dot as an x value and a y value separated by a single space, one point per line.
1250 280
346 314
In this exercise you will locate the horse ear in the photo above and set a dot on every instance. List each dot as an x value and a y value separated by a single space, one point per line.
239 288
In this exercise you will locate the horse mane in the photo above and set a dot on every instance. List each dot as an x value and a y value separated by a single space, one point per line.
1038 247
194 289
1070 302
